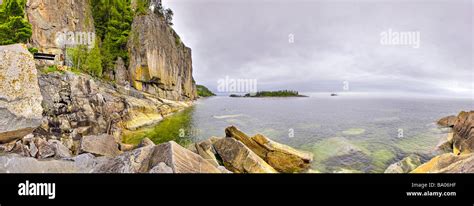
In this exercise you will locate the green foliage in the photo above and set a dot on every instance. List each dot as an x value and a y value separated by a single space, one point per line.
86 60
33 50
280 93
204 91
14 27
51 69
113 20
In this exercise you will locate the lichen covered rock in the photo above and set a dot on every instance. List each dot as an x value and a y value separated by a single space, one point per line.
20 97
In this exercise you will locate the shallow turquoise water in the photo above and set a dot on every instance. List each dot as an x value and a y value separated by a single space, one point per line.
345 133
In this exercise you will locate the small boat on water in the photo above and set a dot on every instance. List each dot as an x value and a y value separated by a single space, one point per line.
334 95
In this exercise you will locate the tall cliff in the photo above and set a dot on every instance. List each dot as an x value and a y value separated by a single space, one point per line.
50 17
159 62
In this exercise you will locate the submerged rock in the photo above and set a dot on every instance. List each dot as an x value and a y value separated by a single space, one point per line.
20 97
405 165
281 157
239 158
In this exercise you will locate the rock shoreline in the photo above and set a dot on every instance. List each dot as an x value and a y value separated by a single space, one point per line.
457 157
102 154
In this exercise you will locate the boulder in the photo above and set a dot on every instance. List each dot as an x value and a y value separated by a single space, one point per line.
405 165
20 97
181 160
238 158
463 139
448 163
281 157
146 142
101 145
17 164
45 149
145 159
161 168
448 121
60 150
206 150
135 161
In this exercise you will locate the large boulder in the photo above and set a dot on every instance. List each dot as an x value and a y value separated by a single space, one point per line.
405 165
463 139
158 159
101 145
206 150
17 164
239 158
20 97
181 160
281 157
136 161
448 121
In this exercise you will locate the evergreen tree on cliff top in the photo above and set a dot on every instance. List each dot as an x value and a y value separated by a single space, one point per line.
14 27
113 20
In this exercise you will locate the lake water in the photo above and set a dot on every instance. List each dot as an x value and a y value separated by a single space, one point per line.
347 133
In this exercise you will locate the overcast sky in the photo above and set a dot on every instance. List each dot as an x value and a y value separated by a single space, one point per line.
334 41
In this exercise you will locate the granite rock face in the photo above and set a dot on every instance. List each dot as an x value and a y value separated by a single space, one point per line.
463 139
51 17
20 97
78 105
160 63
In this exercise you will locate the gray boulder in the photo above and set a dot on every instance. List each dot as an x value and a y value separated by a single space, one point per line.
20 96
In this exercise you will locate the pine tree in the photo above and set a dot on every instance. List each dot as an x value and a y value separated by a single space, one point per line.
113 20
14 28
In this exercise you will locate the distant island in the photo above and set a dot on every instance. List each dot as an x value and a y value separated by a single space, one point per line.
280 93
204 91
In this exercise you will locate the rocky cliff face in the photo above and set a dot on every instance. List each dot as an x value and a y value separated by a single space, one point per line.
160 63
20 97
459 146
77 105
49 17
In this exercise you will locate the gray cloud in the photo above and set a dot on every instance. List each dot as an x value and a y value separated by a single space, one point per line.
335 41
